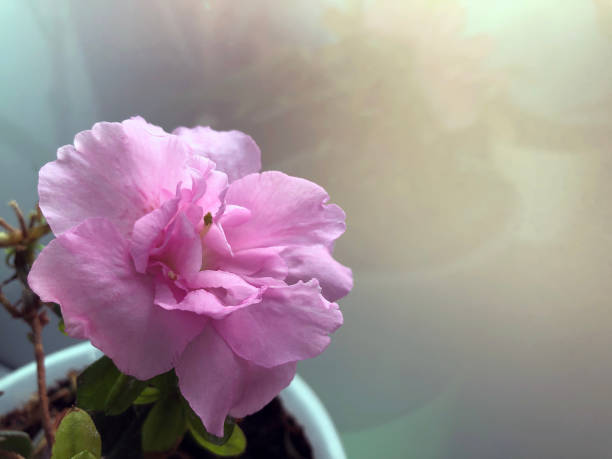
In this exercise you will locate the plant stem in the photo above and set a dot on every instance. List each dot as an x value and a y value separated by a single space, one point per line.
6 226
10 455
20 219
22 242
40 371
12 310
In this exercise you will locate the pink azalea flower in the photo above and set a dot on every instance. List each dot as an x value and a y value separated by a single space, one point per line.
172 251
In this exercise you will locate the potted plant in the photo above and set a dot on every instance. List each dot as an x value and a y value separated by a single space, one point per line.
202 282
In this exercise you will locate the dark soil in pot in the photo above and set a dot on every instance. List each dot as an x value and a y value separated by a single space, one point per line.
271 433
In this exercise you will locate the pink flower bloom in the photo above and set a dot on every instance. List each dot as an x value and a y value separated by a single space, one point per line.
162 262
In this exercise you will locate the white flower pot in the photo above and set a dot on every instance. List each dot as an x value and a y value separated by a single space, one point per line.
298 398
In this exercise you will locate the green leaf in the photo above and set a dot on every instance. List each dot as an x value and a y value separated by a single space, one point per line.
235 445
167 383
16 442
84 455
102 387
95 383
121 435
165 425
195 426
61 326
148 395
76 433
124 391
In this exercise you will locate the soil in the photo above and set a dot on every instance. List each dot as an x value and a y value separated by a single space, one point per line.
27 418
271 432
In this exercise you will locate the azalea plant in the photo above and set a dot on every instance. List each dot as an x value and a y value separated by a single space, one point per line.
202 280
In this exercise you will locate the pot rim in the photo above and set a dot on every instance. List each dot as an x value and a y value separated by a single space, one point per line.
298 398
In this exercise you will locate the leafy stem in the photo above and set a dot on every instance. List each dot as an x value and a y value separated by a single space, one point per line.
21 246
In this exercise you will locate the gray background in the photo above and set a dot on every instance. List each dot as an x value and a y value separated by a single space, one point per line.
468 142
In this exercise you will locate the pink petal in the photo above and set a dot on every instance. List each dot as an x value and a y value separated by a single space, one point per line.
259 386
182 248
216 247
234 216
198 302
316 262
119 171
230 287
284 211
291 323
234 152
211 185
262 262
148 232
89 272
214 294
216 382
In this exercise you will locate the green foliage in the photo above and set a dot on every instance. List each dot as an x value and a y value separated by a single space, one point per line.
235 444
61 326
123 392
166 382
232 443
165 425
129 424
84 455
15 442
102 387
76 434
95 383
195 426
121 434
148 395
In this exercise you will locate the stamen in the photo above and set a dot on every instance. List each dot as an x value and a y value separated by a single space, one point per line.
207 223
172 275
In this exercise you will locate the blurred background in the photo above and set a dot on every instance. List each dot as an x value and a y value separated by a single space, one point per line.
468 142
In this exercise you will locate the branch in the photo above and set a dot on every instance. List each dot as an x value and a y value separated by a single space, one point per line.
15 237
40 371
6 226
8 281
12 310
19 214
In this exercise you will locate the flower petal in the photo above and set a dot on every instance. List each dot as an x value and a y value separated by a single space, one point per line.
216 382
234 152
88 271
229 287
291 323
181 251
234 215
259 386
119 171
148 232
316 262
284 211
209 188
261 262
214 294
215 246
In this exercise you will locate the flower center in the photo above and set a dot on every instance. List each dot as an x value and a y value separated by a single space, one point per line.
207 223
